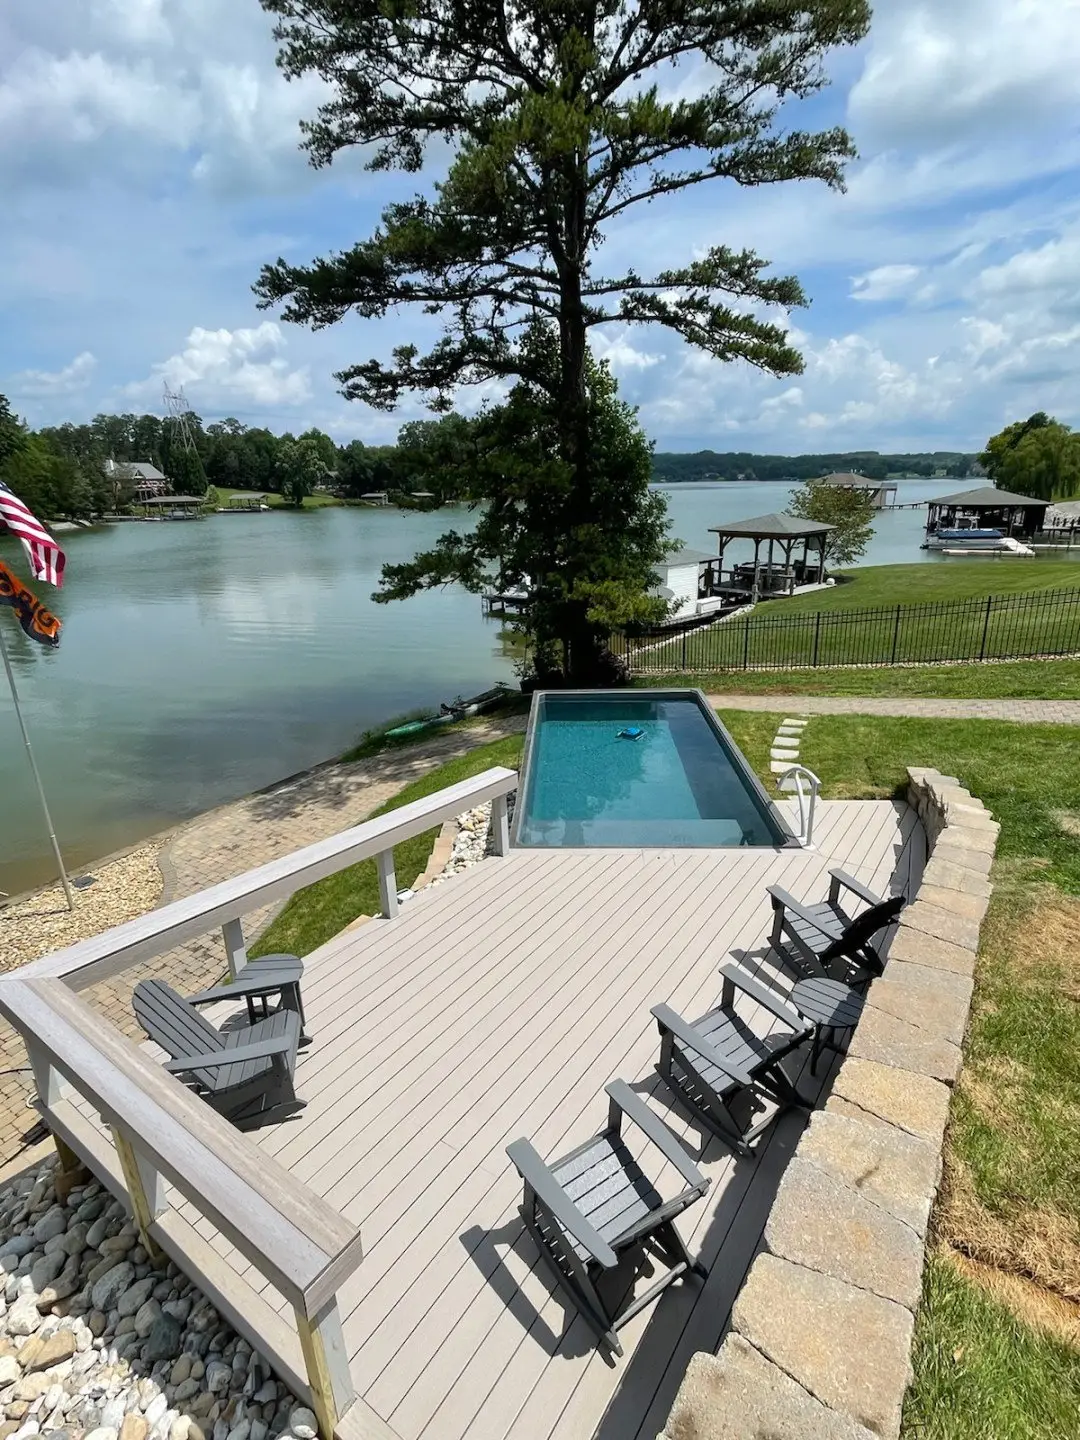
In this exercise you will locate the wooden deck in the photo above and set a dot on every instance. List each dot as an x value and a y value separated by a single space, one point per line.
496 1005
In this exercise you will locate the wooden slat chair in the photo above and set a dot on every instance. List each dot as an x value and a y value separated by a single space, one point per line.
723 1072
595 1210
245 1074
827 938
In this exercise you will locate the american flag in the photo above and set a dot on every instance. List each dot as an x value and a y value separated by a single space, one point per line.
45 556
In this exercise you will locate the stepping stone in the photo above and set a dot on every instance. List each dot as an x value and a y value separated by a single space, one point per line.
791 756
778 767
790 720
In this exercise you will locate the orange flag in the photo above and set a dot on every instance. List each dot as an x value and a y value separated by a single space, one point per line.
40 624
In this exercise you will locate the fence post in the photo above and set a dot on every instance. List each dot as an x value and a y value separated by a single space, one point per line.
746 644
986 626
896 635
817 637
684 649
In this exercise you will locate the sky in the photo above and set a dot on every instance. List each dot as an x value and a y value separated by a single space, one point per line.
149 165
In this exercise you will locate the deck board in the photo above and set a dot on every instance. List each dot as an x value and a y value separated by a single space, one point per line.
496 1005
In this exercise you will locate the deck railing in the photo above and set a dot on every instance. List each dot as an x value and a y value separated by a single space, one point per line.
157 1145
116 950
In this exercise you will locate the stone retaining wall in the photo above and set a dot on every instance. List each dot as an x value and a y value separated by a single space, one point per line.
820 1340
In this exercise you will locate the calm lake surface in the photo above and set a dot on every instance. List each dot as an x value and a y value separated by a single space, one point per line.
202 661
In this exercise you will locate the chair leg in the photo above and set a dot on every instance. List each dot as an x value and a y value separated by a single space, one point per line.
577 1287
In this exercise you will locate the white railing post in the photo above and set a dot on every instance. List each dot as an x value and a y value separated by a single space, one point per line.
500 825
235 945
388 900
50 1083
327 1365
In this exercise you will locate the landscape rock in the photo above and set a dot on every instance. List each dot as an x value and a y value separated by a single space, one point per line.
111 1285
889 1041
820 1222
41 1354
303 1424
740 1395
806 1323
134 1427
914 1103
885 1165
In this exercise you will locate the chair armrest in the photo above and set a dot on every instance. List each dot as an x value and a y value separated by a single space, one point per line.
669 1019
259 1050
237 989
848 882
554 1198
788 902
650 1125
764 996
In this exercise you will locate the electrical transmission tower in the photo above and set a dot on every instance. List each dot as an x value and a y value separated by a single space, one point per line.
178 411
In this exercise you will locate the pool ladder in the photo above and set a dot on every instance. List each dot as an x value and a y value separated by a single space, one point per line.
806 786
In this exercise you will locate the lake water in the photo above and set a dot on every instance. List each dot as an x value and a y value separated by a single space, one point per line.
202 661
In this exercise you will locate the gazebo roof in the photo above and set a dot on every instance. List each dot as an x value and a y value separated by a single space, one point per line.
172 500
987 498
773 527
681 555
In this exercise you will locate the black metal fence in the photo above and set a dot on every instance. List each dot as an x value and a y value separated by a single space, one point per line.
997 627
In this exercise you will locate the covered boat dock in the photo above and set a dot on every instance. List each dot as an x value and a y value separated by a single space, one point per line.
987 508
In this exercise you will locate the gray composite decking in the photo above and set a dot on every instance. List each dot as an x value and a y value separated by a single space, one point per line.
498 1005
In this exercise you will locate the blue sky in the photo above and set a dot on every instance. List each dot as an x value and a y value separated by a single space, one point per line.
149 166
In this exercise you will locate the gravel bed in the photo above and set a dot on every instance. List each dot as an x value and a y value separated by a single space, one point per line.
122 890
98 1342
473 841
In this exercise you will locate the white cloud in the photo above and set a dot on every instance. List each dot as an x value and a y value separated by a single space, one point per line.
225 368
620 352
886 282
44 383
969 68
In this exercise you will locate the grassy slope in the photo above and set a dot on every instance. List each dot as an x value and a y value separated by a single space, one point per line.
1013 679
1012 1191
950 580
983 1375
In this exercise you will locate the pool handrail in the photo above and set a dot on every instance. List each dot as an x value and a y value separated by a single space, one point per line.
802 777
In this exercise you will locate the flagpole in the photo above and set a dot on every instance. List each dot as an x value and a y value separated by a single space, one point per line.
37 778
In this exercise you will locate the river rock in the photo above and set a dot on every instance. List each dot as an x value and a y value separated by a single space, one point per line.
118 1244
103 1432
46 1269
218 1377
30 1387
40 1353
180 1429
53 1222
113 1411
163 1341
9 1370
156 1409
97 1232
303 1424
18 1245
74 1242
23 1317
136 1296
111 1285
134 1427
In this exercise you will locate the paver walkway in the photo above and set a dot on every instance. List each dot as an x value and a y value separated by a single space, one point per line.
223 843
1025 712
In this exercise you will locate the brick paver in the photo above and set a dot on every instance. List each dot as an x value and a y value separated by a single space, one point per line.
1025 712
223 843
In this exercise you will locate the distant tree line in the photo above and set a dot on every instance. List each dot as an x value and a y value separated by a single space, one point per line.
61 471
736 465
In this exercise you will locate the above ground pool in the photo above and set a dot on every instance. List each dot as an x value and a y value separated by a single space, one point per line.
637 768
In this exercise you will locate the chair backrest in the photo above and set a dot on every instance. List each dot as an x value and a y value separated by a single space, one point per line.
172 1023
859 933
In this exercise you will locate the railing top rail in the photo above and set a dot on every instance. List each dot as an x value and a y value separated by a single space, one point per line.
290 1234
148 935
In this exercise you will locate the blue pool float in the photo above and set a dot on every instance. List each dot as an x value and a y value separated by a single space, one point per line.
630 732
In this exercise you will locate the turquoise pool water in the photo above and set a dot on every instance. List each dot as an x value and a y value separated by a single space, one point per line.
681 783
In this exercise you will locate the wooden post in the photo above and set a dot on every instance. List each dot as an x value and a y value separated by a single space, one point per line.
235 946
388 900
500 825
145 1190
327 1365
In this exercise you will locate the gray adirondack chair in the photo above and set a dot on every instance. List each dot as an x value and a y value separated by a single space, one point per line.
723 1072
595 1210
245 1074
830 938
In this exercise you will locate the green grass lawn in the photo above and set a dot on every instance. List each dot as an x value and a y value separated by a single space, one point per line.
1005 679
959 579
278 502
982 1374
1011 1192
